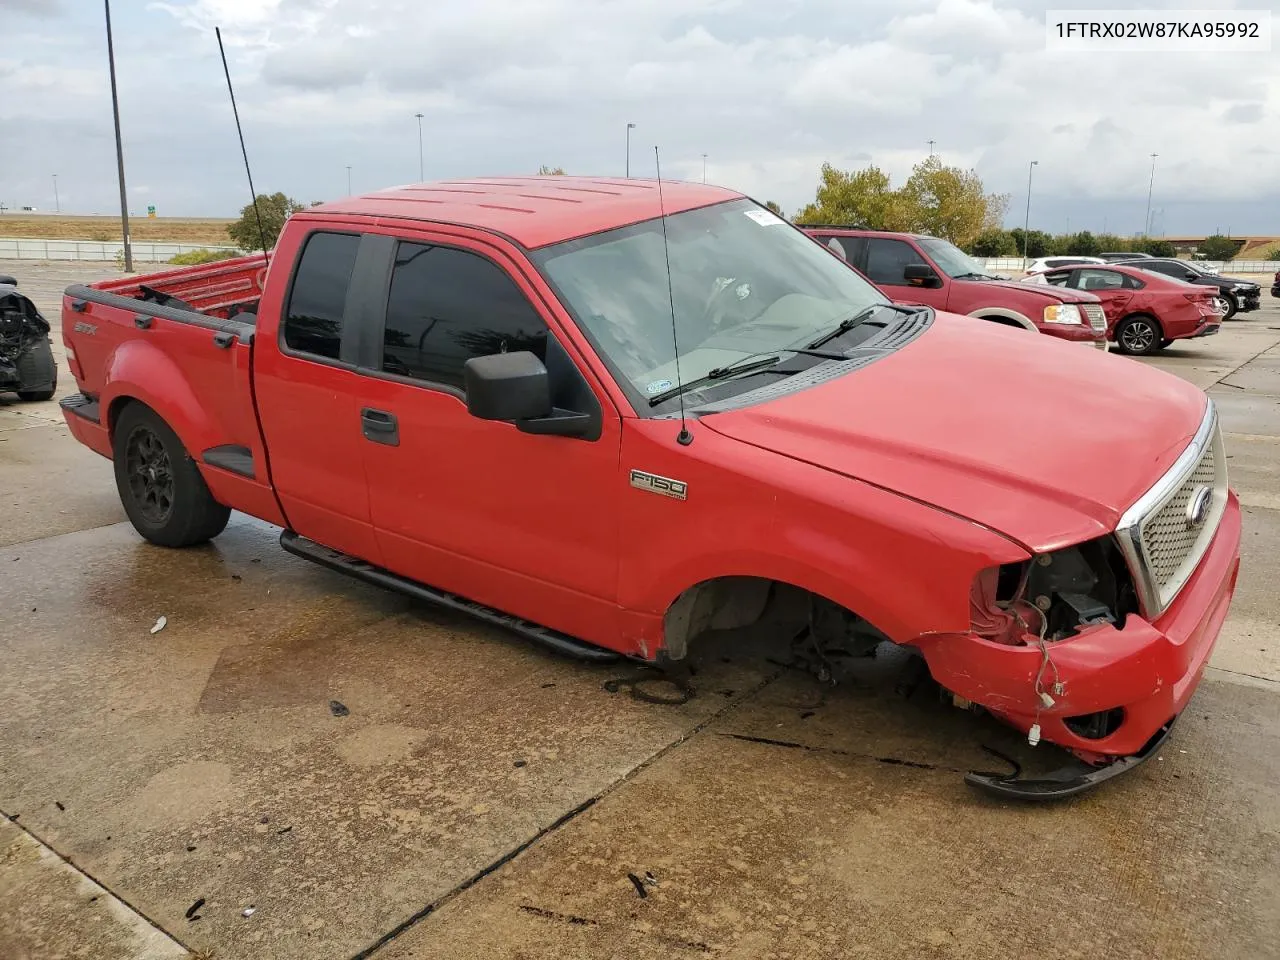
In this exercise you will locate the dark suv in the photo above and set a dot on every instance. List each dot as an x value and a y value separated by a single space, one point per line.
1241 295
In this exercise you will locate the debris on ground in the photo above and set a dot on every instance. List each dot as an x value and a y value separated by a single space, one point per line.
248 911
160 625
193 911
338 708
639 885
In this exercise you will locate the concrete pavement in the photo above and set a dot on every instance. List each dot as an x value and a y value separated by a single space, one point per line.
368 777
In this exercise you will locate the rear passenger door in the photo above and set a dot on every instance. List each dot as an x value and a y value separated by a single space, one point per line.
520 522
886 260
307 390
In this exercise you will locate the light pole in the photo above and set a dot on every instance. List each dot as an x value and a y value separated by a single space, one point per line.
115 110
1150 186
1026 223
420 167
704 168
630 127
348 179
57 204
931 143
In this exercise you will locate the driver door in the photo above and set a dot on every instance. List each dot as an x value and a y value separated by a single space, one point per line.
523 523
886 263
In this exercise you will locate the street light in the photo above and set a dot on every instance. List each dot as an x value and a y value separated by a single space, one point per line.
1150 186
931 143
348 179
630 127
1026 223
704 168
115 110
420 168
57 204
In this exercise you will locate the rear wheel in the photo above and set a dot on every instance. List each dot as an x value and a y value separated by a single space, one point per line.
160 486
1139 335
37 372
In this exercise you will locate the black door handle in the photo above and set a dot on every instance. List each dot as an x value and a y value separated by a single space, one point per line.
379 426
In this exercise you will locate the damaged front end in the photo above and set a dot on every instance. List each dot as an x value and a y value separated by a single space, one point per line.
26 358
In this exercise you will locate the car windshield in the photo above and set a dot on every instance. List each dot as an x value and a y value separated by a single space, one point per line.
742 281
953 261
1197 267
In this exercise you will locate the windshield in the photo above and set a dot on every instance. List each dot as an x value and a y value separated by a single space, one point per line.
953 261
1199 268
742 281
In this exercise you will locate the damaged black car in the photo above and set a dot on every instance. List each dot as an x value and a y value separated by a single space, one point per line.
27 367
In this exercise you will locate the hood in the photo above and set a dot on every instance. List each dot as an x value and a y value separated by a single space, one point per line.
1045 441
1050 292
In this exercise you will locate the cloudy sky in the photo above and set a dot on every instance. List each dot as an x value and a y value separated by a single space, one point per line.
768 89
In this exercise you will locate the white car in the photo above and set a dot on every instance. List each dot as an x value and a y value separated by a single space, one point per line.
1053 263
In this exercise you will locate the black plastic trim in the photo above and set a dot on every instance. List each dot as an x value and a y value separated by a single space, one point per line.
84 407
231 457
361 570
140 308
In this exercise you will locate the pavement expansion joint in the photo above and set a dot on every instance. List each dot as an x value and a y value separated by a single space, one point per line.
587 804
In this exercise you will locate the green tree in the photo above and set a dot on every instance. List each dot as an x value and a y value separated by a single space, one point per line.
1037 242
1157 248
274 209
545 171
1110 243
774 207
949 202
1218 247
861 197
994 243
1272 254
1084 243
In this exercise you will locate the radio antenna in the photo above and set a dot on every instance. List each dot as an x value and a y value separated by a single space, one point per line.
684 437
262 233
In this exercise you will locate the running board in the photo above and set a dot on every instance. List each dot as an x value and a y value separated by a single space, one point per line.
361 570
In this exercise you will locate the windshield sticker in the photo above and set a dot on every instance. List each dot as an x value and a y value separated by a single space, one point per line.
657 387
764 217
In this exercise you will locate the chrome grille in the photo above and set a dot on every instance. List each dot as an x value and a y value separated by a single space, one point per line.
1160 535
1097 318
1167 537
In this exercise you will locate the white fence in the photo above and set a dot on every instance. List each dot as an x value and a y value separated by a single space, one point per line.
96 250
1014 265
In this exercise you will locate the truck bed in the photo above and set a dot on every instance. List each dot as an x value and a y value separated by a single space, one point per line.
227 289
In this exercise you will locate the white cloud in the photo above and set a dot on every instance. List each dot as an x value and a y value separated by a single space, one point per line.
768 88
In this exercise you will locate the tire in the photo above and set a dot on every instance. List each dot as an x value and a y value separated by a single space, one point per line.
36 369
1165 344
1139 335
1233 306
160 486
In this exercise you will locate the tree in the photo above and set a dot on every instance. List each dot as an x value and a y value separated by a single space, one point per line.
274 210
545 171
861 197
948 202
1157 248
774 207
1084 244
1218 247
994 243
1037 242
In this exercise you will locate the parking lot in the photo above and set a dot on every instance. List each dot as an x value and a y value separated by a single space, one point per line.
301 766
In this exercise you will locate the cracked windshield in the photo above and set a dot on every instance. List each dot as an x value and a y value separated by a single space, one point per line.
743 283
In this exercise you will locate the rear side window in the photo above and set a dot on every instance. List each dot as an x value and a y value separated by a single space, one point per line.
313 321
886 260
1099 280
447 306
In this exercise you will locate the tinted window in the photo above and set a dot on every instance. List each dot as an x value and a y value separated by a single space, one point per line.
447 306
313 323
1168 269
886 260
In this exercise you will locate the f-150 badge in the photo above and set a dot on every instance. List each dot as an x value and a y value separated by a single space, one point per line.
663 486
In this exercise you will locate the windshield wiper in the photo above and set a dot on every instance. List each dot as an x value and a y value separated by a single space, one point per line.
974 276
861 317
747 364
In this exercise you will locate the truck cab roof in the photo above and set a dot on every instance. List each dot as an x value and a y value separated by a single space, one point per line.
532 211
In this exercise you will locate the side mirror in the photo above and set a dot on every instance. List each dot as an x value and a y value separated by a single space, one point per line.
515 388
920 275
507 386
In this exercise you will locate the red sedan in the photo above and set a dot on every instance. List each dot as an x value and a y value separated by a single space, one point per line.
1145 311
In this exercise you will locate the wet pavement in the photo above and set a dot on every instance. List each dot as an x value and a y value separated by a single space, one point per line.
329 770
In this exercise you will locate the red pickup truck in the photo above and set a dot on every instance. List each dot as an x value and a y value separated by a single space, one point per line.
918 269
497 396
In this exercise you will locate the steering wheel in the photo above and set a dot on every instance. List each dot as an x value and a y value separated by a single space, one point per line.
731 303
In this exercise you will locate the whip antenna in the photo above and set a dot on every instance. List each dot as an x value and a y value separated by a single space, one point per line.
684 437
262 234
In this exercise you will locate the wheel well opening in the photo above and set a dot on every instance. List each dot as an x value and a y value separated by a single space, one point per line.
117 407
1007 321
729 603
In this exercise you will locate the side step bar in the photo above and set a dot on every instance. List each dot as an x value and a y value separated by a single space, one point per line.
361 570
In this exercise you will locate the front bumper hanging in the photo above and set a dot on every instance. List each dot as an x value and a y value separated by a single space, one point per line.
1076 777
